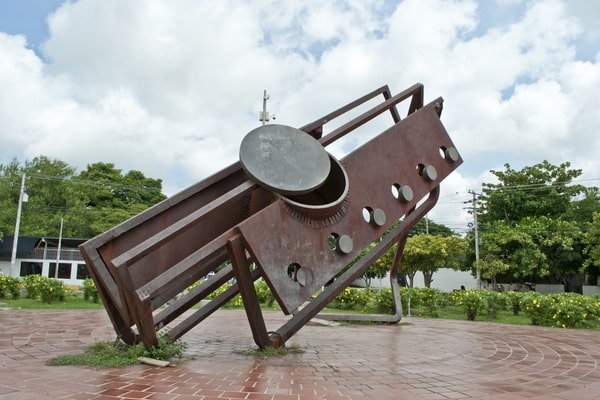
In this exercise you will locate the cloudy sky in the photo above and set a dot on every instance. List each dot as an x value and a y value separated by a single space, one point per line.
170 88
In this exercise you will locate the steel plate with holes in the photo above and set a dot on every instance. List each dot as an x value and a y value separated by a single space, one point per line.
283 159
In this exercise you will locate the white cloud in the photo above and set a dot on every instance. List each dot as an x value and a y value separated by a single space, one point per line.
171 88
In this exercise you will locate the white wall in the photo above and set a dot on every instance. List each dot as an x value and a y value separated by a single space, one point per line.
445 279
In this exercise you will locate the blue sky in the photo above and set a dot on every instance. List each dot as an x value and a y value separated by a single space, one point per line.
171 87
27 17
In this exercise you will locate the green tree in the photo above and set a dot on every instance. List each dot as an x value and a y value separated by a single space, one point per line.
531 223
539 190
428 253
110 197
89 203
591 240
426 225
48 194
532 249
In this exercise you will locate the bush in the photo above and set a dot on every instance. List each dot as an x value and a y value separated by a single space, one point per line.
352 299
537 306
46 289
33 285
90 292
430 301
408 294
10 286
496 301
472 302
53 290
263 293
383 301
514 301
570 310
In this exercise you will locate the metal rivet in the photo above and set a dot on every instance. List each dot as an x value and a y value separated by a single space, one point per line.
405 193
345 244
378 217
429 173
452 154
304 276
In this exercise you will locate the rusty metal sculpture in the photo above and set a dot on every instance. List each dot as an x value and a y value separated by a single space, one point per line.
288 212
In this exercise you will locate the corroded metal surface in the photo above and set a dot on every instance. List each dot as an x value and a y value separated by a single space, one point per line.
250 225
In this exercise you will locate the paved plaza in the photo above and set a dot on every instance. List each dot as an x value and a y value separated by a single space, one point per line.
417 359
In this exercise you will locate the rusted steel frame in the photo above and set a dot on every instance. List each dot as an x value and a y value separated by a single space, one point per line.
95 249
173 282
205 311
180 227
141 311
194 296
416 91
241 267
199 263
304 315
315 128
118 318
397 315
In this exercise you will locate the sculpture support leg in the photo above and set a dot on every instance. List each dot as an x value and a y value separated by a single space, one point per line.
246 284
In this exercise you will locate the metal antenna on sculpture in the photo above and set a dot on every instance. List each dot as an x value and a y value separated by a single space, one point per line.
263 115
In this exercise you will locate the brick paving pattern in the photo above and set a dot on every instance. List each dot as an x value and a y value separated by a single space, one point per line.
418 359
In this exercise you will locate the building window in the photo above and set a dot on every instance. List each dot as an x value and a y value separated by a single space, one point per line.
64 271
82 272
30 268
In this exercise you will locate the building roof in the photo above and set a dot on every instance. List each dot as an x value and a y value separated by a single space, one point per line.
26 244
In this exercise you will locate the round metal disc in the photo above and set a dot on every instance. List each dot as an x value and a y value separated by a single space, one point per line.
283 159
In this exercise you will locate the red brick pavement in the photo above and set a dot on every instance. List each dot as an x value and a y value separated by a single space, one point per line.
418 359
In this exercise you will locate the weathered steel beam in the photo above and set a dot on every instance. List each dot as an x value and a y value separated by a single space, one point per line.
243 228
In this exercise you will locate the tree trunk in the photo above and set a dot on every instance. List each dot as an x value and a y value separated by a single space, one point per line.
427 278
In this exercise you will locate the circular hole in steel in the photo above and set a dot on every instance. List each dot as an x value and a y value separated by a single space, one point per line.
366 214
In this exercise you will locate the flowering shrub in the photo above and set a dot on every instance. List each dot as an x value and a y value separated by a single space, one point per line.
90 292
496 301
263 292
571 310
10 286
472 302
514 301
383 301
408 294
537 306
430 301
219 291
44 288
352 299
53 290
33 285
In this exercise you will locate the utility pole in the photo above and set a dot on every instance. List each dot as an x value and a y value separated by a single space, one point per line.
13 256
476 227
58 249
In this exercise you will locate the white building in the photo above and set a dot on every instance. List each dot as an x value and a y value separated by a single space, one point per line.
39 255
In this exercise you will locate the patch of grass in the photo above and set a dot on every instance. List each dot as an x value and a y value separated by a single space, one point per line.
456 313
119 354
103 355
271 351
36 304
